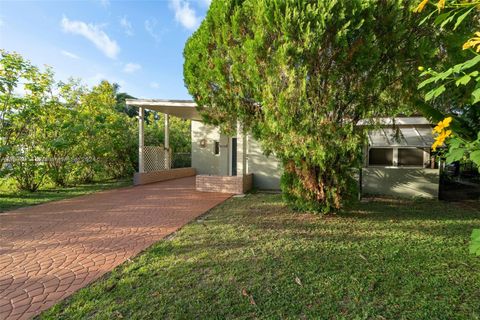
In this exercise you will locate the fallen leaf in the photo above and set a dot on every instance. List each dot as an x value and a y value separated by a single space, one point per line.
244 292
252 302
298 281
363 257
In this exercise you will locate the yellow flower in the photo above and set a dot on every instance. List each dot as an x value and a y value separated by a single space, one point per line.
473 42
442 125
441 4
421 6
447 121
439 140
420 68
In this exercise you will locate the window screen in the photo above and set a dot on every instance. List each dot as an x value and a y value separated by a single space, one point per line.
410 157
380 157
216 148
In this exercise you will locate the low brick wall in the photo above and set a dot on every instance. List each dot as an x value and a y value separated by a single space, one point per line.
224 184
162 175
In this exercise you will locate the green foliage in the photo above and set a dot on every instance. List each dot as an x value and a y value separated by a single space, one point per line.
105 136
299 75
67 133
180 137
475 242
455 91
22 119
461 149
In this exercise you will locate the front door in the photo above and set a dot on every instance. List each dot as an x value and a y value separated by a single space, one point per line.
234 157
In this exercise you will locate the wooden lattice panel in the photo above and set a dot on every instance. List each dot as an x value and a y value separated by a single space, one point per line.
156 158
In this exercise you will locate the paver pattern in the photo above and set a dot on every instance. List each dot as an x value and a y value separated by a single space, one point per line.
49 251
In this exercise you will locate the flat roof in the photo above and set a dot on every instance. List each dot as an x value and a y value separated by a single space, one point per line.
185 109
398 121
412 131
406 136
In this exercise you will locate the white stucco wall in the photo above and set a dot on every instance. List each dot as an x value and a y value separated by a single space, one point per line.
203 158
266 170
401 182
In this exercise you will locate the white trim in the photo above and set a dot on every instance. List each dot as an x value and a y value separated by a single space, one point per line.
141 141
160 103
397 121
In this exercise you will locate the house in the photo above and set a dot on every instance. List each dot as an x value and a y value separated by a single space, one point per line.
397 159
397 156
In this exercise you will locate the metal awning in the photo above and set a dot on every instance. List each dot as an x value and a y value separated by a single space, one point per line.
397 121
410 136
185 109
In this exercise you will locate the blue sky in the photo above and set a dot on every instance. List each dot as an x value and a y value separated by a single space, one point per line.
137 44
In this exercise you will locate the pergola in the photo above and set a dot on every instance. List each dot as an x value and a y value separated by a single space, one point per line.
185 109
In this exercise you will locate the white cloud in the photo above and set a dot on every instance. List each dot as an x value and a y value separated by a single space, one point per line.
69 54
105 3
184 14
154 85
127 26
93 33
207 2
150 27
131 67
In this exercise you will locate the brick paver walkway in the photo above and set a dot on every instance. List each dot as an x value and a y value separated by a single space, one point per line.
49 251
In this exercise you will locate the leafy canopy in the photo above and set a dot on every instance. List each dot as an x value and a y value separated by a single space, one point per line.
299 75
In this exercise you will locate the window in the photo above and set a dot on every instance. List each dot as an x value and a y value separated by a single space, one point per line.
216 147
380 157
410 157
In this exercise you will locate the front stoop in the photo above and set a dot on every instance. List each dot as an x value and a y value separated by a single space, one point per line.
224 184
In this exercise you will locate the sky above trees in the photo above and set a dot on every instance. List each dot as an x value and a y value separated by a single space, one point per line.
137 44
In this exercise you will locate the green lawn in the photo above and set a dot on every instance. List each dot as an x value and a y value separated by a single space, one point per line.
254 258
11 198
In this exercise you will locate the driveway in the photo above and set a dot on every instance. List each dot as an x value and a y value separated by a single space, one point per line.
49 251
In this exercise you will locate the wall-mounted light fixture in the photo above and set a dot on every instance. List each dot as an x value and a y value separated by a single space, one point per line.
203 143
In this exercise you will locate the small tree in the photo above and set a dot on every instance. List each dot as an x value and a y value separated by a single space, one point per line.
28 155
61 127
104 136
299 75
13 69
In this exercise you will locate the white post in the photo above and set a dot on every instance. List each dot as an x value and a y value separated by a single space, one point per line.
141 141
167 142
241 150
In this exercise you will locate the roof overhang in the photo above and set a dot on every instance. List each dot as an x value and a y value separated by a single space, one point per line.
185 109
403 136
398 121
399 132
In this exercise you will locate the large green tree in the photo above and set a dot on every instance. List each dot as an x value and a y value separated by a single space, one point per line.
299 75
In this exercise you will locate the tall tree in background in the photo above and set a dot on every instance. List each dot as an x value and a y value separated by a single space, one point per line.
299 75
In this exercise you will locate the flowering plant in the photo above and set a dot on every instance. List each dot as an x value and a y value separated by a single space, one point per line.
465 74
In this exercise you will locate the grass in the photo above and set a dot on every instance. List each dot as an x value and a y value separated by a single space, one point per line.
254 258
11 198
